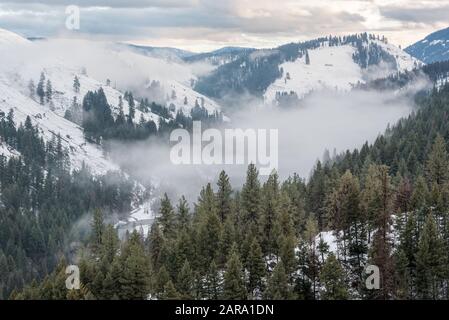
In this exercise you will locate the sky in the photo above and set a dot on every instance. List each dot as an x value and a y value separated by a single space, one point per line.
203 25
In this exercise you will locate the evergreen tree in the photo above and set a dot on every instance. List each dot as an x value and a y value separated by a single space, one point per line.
185 281
167 217
430 261
224 196
49 91
32 89
256 269
41 89
251 196
76 84
234 283
213 284
381 251
437 167
332 280
134 278
183 217
170 292
98 228
278 288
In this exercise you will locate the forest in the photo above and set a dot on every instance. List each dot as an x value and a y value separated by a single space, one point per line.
385 204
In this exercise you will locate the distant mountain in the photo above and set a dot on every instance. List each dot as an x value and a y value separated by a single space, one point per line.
163 52
285 74
221 56
170 86
434 48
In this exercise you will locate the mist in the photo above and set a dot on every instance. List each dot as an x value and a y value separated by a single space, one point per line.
324 120
126 68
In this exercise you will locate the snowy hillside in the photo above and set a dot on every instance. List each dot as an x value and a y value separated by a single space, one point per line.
50 125
334 68
15 76
184 98
10 38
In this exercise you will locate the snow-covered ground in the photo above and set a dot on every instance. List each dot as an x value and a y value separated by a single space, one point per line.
333 67
51 124
10 38
7 151
330 67
185 94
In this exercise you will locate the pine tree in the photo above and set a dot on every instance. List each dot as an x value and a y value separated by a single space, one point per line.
213 290
406 257
346 216
167 217
310 261
381 198
208 240
132 108
98 228
287 255
135 276
332 278
420 195
437 167
76 84
270 228
251 196
109 244
185 281
49 91
228 237
234 283
170 292
278 288
307 57
256 269
32 89
224 196
41 89
183 217
156 242
430 261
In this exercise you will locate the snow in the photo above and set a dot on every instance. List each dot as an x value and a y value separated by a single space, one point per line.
405 61
183 91
332 67
435 42
62 82
7 151
330 239
10 38
140 219
51 124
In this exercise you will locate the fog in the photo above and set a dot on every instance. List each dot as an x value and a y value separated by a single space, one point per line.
324 120
125 67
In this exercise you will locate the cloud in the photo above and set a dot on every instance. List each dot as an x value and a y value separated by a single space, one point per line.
428 15
113 3
197 24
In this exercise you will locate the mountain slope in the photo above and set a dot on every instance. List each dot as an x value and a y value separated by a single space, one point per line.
334 68
50 125
296 69
433 48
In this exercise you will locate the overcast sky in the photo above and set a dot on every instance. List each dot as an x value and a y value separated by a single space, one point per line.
200 25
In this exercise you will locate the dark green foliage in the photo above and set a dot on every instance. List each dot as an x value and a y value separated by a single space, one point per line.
42 198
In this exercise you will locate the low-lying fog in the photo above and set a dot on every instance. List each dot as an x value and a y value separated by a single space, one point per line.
325 120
